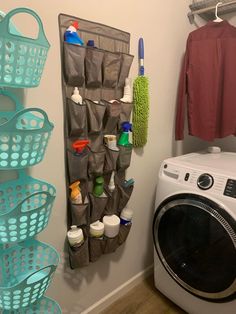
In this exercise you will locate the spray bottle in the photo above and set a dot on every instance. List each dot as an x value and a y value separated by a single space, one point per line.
79 146
75 195
71 35
124 138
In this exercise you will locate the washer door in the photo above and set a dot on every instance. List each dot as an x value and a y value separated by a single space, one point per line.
196 242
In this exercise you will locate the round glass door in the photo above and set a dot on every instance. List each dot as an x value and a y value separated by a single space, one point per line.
196 242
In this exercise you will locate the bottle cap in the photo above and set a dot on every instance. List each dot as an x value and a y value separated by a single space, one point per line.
90 43
96 229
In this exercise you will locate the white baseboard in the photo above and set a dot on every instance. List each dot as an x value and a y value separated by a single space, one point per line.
118 292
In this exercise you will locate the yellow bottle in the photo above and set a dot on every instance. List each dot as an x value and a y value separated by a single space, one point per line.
75 194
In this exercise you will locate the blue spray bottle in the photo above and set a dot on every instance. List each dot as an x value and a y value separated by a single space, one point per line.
124 138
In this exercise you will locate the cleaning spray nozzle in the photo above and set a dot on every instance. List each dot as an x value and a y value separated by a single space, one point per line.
80 145
126 126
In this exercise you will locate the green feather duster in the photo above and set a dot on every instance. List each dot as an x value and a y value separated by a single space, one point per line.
140 111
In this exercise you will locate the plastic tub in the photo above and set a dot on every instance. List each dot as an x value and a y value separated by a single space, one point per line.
26 270
23 58
24 135
25 207
44 306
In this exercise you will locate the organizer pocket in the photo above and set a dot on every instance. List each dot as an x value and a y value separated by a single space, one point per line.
124 158
98 205
95 113
113 202
126 109
126 61
124 232
110 160
111 69
79 257
111 117
79 213
111 244
124 195
77 120
96 248
74 56
93 67
96 163
77 165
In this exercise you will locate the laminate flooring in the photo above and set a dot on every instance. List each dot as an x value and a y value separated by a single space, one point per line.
143 299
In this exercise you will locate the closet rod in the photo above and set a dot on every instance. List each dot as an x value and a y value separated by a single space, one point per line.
192 13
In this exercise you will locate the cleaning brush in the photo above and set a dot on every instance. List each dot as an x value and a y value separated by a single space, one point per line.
141 103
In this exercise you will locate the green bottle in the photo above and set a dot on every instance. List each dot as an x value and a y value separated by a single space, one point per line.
124 138
98 187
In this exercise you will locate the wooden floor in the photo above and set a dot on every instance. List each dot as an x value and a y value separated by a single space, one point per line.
143 299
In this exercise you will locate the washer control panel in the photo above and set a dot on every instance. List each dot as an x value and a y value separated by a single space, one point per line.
230 188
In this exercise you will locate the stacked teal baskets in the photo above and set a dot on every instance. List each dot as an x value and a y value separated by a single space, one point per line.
26 265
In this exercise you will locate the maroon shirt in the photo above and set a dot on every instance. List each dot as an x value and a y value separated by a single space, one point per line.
208 79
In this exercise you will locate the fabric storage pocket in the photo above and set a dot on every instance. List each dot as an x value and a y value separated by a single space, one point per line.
111 117
98 205
126 62
111 69
124 232
93 67
124 158
79 213
126 109
111 157
96 248
112 202
124 195
77 119
95 114
79 256
111 244
77 165
96 163
74 56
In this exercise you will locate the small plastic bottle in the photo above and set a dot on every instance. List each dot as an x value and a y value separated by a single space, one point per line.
75 236
76 97
126 216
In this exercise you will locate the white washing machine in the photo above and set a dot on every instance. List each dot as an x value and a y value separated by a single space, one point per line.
194 232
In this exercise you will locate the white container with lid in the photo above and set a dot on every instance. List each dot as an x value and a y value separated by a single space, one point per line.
126 216
96 229
111 225
75 236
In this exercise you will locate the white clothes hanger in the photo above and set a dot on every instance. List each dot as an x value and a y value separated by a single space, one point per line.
218 19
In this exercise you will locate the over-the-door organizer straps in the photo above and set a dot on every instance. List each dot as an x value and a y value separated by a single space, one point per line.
99 72
95 67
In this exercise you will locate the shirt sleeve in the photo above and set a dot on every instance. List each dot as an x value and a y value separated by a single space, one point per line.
181 98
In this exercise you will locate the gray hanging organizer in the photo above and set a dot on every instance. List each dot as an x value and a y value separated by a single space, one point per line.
206 8
100 75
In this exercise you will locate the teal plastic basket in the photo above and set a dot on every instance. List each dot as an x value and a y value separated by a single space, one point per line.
12 27
24 136
25 208
26 270
22 59
44 306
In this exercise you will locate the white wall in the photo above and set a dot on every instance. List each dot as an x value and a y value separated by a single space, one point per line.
164 27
